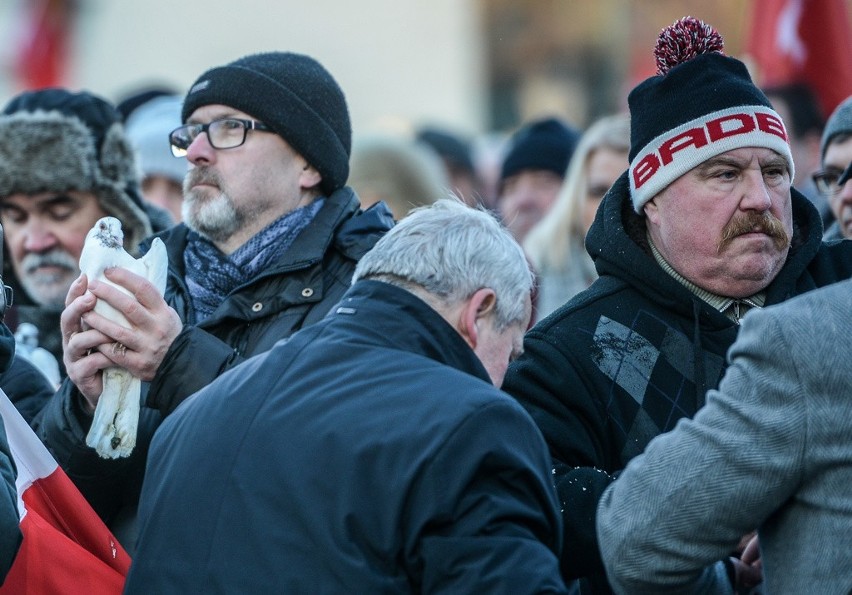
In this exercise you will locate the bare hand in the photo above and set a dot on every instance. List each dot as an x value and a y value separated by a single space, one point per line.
84 362
154 325
749 567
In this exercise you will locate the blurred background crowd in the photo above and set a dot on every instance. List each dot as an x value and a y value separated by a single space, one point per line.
479 68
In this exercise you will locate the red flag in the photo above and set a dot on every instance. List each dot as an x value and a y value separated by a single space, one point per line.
66 547
803 41
42 59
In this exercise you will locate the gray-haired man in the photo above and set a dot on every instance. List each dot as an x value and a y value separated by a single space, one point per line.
372 452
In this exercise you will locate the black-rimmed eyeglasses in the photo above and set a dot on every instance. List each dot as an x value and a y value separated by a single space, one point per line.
222 134
830 181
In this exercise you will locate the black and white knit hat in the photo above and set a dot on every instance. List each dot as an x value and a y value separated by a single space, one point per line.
700 104
295 96
53 140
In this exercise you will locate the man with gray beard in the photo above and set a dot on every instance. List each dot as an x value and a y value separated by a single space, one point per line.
268 244
65 162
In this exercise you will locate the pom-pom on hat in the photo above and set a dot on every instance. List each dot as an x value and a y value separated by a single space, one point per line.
295 96
700 104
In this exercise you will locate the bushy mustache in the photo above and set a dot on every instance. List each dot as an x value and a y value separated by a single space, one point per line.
753 221
55 258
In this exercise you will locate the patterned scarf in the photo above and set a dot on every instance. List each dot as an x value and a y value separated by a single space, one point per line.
211 275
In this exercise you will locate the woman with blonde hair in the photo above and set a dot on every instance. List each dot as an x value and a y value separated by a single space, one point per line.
555 245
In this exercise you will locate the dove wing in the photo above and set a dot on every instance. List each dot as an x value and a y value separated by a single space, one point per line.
156 265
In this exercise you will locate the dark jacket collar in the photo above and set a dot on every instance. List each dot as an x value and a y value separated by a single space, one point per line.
388 315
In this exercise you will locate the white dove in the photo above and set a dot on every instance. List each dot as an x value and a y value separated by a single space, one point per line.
113 431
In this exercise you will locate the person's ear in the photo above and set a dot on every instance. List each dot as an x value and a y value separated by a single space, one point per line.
652 211
310 177
476 309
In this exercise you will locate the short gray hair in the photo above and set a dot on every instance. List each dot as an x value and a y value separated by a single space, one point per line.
451 250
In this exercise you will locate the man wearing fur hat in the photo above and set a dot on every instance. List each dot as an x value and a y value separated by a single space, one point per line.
268 244
703 226
65 162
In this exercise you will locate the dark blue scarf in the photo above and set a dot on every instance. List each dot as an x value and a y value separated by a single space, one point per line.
211 275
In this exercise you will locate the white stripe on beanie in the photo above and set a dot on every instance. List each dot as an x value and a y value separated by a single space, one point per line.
676 151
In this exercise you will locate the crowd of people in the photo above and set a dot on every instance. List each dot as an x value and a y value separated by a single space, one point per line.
624 371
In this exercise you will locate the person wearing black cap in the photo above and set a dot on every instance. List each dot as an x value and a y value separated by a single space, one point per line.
532 172
457 157
703 226
269 240
65 162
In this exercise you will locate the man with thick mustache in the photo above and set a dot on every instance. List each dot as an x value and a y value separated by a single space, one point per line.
65 162
268 244
703 227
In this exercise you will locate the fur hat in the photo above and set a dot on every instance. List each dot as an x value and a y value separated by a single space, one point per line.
53 140
292 94
700 104
543 144
840 122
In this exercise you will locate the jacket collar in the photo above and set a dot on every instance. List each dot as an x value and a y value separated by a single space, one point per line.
386 314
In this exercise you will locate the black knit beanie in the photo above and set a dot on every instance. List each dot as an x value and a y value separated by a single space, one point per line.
700 104
53 140
545 144
292 94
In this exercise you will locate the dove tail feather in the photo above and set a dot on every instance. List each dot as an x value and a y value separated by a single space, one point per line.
114 426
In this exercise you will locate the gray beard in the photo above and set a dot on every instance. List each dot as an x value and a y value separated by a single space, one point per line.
214 218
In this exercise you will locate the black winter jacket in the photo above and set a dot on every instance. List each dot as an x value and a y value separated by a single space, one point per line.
368 454
299 290
624 360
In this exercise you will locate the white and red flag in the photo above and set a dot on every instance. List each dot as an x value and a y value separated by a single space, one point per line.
66 548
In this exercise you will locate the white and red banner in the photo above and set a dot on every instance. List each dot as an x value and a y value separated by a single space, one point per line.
66 548
803 41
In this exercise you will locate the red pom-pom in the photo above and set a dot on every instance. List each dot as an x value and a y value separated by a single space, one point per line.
684 40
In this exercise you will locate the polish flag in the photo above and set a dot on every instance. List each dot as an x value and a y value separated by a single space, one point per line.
66 547
803 41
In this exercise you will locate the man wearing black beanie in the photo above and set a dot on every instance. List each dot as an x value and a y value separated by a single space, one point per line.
269 241
532 172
